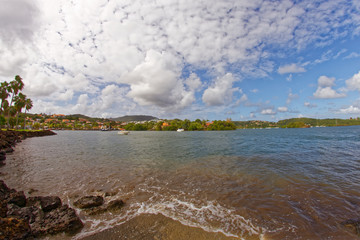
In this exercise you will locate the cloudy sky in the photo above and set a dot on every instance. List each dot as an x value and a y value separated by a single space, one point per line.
207 59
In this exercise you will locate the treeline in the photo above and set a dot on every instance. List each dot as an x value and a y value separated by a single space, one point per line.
187 125
13 101
313 122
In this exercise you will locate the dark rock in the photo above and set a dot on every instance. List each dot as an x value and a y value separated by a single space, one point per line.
13 228
2 155
3 208
111 206
89 201
4 190
63 219
115 204
17 198
49 203
353 225
30 214
9 150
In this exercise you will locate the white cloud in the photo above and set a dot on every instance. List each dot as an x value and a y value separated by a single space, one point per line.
64 49
289 78
309 105
350 110
255 90
291 68
352 55
354 82
291 97
283 109
325 89
268 111
220 92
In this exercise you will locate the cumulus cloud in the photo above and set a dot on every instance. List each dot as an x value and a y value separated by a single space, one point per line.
283 109
65 49
350 110
268 111
291 68
220 92
325 89
354 82
21 18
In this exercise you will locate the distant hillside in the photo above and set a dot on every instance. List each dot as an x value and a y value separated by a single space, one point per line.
134 118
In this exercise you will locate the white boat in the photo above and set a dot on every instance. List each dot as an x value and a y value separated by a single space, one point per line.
180 130
123 132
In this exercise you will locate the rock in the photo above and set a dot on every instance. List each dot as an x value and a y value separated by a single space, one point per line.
9 150
17 198
49 203
63 219
111 206
115 204
353 225
3 208
89 202
30 214
2 155
13 228
4 190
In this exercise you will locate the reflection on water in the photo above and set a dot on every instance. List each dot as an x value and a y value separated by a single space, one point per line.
271 184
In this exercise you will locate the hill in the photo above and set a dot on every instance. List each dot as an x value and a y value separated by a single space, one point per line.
129 118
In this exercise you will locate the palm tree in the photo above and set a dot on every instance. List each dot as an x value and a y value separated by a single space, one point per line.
28 106
14 87
4 94
19 104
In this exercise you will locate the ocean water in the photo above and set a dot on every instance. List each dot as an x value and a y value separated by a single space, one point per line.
246 184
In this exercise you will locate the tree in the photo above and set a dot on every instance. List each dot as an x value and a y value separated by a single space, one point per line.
4 94
13 88
28 106
19 103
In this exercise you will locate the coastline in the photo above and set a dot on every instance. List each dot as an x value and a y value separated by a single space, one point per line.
29 217
155 226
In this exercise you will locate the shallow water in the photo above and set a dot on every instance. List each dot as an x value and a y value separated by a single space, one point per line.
252 184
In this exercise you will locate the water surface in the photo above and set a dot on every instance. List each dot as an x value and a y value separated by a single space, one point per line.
250 184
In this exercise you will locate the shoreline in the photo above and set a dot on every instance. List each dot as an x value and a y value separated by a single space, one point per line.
148 226
29 217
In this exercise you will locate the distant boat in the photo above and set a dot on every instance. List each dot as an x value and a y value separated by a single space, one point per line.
123 132
180 130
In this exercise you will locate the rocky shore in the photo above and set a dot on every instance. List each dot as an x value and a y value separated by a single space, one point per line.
24 217
29 217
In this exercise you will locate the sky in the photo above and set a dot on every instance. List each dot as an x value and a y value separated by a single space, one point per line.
208 59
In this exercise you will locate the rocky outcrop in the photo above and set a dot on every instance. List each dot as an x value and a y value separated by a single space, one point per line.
89 202
23 217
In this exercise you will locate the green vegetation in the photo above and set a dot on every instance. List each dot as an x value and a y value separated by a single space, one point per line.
13 101
187 125
298 123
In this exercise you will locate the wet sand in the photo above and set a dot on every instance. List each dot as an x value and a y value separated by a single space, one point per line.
151 226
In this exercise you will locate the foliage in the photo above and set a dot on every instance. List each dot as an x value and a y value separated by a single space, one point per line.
13 101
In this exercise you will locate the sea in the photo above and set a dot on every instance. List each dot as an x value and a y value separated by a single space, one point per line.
242 184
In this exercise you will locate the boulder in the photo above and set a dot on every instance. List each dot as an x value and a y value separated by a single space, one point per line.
115 204
49 203
3 208
14 228
17 198
30 214
62 219
4 190
89 202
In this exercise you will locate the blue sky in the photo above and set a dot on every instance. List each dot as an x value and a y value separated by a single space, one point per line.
266 60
